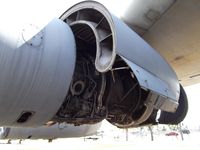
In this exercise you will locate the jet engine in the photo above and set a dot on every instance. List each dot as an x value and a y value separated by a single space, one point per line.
82 68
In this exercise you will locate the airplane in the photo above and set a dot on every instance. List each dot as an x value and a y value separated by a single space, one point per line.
88 65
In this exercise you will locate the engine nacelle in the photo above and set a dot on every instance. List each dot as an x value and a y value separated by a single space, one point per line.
80 69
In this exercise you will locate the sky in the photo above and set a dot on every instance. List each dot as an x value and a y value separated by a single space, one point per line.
193 94
42 11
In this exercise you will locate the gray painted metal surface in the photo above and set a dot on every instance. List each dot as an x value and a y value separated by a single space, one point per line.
56 131
151 70
142 14
36 70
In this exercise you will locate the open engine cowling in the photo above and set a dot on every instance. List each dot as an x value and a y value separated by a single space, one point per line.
138 80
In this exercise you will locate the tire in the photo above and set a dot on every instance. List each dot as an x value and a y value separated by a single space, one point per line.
181 112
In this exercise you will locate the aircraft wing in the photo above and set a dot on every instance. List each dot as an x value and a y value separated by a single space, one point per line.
172 28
